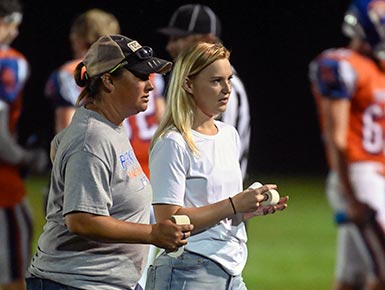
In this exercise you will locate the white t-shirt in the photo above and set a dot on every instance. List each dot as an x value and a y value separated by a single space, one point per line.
180 178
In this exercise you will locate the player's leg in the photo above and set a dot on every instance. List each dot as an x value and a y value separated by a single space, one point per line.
349 270
370 187
15 252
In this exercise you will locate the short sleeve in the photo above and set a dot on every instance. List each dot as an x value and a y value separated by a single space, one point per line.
13 74
90 190
333 78
168 170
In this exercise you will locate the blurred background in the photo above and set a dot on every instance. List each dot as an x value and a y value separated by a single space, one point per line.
271 42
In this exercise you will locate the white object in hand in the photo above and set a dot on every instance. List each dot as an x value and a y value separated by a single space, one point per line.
271 196
179 220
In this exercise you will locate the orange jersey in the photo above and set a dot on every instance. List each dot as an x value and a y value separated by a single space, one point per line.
14 71
142 126
345 74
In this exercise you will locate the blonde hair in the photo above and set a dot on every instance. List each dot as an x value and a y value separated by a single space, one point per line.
93 24
181 106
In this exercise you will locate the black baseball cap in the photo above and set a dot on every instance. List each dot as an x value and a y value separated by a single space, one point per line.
110 51
192 19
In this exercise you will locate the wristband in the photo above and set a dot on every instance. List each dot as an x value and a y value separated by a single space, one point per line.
232 205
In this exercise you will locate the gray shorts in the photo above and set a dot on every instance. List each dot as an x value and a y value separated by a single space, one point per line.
16 241
359 253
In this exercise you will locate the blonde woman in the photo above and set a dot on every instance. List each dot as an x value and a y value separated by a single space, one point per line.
195 171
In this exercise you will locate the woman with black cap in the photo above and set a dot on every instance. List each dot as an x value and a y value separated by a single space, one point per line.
99 201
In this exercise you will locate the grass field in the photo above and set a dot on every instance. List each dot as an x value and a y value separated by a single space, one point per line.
290 250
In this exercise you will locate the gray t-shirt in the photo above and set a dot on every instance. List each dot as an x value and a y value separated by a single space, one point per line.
95 171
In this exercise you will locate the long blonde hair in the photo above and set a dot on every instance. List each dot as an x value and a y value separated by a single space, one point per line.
181 106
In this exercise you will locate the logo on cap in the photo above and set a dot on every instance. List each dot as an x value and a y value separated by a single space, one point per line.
134 45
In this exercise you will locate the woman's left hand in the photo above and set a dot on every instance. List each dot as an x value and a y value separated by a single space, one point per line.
267 209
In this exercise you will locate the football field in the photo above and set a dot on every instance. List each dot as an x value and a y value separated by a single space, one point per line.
289 250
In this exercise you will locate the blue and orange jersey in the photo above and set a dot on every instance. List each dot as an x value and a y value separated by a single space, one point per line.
141 127
61 88
14 71
345 74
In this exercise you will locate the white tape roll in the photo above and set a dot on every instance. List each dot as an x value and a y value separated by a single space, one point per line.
179 220
255 185
271 196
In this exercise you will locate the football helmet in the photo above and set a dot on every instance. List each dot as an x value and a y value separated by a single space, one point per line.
365 19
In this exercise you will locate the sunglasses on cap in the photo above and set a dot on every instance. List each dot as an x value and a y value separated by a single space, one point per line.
143 53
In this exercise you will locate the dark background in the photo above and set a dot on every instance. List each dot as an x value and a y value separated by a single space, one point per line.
272 44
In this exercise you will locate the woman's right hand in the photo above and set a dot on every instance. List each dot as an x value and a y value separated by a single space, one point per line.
170 236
